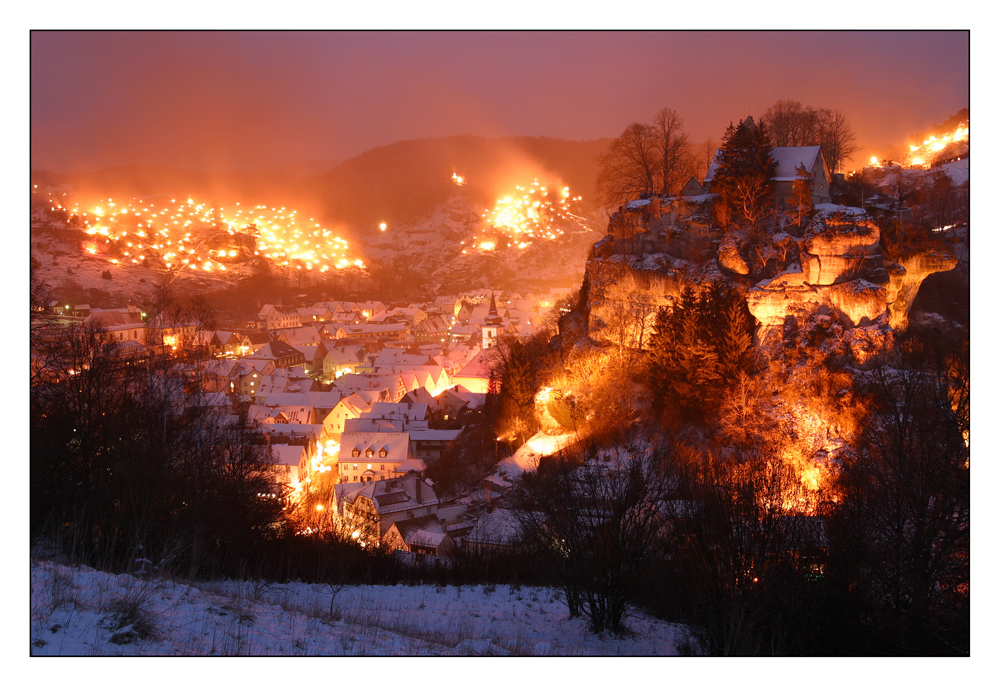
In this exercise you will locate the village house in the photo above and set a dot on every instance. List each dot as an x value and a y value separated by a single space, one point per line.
122 324
272 317
789 159
286 461
341 360
374 456
478 376
423 535
279 354
372 507
350 406
371 333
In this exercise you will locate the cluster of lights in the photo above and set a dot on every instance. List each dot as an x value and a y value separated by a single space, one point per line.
531 213
922 155
177 233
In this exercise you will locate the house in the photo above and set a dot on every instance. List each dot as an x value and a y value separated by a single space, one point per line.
693 187
374 456
271 317
373 507
788 159
434 328
286 460
496 531
298 336
229 344
322 401
478 375
341 360
122 324
389 386
299 415
425 534
350 406
280 354
366 333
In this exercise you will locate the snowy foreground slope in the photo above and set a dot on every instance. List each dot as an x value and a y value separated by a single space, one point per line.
78 611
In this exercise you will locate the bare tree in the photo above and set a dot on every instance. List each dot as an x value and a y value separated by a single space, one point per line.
706 153
836 138
790 123
672 143
631 167
598 525
908 489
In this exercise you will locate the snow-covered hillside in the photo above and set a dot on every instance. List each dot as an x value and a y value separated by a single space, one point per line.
78 611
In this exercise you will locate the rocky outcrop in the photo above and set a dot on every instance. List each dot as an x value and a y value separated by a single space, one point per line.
837 249
730 258
905 280
841 273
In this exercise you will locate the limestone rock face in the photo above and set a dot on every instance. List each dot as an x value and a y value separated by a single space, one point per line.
771 303
790 294
730 258
861 301
905 280
840 252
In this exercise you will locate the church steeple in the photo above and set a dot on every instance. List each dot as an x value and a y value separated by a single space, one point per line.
492 324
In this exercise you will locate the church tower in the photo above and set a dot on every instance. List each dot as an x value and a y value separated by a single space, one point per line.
492 325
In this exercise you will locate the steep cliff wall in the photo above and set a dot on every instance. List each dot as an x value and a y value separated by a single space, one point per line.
656 250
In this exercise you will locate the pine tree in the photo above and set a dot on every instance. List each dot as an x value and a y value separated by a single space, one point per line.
698 348
744 177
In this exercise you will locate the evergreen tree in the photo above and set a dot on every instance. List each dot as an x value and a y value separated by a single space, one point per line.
744 176
697 349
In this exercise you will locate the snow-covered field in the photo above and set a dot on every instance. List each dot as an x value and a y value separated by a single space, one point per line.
78 611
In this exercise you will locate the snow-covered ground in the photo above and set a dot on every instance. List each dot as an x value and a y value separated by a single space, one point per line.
526 458
78 611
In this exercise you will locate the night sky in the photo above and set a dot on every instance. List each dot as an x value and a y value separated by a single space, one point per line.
241 100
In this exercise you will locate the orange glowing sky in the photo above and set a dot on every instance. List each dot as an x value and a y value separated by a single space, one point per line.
242 100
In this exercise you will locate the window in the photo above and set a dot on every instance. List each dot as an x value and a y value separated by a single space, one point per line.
355 453
369 466
369 452
383 453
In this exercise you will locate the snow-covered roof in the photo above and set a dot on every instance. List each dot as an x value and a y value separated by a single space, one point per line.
496 527
286 454
790 158
787 157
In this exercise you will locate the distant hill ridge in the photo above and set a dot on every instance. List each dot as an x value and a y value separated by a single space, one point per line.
398 182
